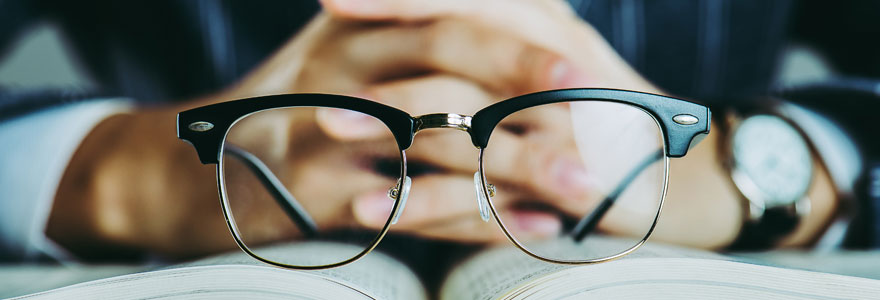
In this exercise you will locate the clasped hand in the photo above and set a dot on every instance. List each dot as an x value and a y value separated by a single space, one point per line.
420 56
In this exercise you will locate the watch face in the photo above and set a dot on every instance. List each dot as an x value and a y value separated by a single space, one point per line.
774 158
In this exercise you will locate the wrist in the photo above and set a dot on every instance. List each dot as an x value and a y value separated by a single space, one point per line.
112 195
79 219
701 208
784 188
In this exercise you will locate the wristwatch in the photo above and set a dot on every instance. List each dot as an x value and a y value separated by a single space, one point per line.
771 165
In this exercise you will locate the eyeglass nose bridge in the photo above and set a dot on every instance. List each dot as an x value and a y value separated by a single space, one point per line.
443 120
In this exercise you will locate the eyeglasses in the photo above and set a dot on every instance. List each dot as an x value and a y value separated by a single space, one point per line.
557 170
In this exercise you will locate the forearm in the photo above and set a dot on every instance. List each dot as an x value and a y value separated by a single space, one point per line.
701 208
37 149
126 187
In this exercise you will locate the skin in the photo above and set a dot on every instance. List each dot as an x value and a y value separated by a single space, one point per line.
469 54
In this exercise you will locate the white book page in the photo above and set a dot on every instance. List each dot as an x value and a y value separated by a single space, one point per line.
209 282
653 271
693 278
376 273
495 272
238 276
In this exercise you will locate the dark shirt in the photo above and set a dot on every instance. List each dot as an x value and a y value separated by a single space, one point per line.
707 50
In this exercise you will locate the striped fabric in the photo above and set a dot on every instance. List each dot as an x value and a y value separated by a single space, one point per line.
704 49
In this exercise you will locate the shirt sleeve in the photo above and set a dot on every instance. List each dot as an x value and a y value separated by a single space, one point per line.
841 158
34 152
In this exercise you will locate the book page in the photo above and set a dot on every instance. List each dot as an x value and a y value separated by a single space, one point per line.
209 282
26 279
238 276
376 273
653 271
494 272
858 263
693 278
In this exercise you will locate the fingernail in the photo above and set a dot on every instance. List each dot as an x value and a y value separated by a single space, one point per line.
373 209
572 177
538 224
565 75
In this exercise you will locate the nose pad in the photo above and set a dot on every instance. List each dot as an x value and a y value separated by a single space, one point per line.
402 194
482 201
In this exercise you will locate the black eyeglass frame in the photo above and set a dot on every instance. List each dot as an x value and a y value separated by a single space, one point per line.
683 123
677 137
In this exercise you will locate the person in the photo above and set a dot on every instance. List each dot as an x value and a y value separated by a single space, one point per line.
131 186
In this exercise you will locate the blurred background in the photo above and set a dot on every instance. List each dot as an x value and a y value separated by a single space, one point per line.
831 67
828 63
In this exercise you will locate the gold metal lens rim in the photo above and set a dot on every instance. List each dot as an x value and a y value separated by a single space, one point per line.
623 253
230 221
236 234
644 239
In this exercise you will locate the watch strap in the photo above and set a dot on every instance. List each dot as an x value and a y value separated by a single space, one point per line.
766 231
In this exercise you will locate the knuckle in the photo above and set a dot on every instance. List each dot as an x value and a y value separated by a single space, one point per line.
534 65
431 40
440 39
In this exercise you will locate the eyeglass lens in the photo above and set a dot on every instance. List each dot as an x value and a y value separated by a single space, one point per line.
289 175
562 176
593 168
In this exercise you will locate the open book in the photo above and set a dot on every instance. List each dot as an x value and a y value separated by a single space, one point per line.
654 271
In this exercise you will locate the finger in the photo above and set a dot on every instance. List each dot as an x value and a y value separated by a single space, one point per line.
432 198
525 224
436 93
535 19
346 125
502 62
533 149
444 150
418 96
548 169
444 206
283 71
548 124
545 25
552 174
321 177
407 10
467 230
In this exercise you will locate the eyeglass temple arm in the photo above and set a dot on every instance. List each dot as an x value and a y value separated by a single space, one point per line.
589 222
274 186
